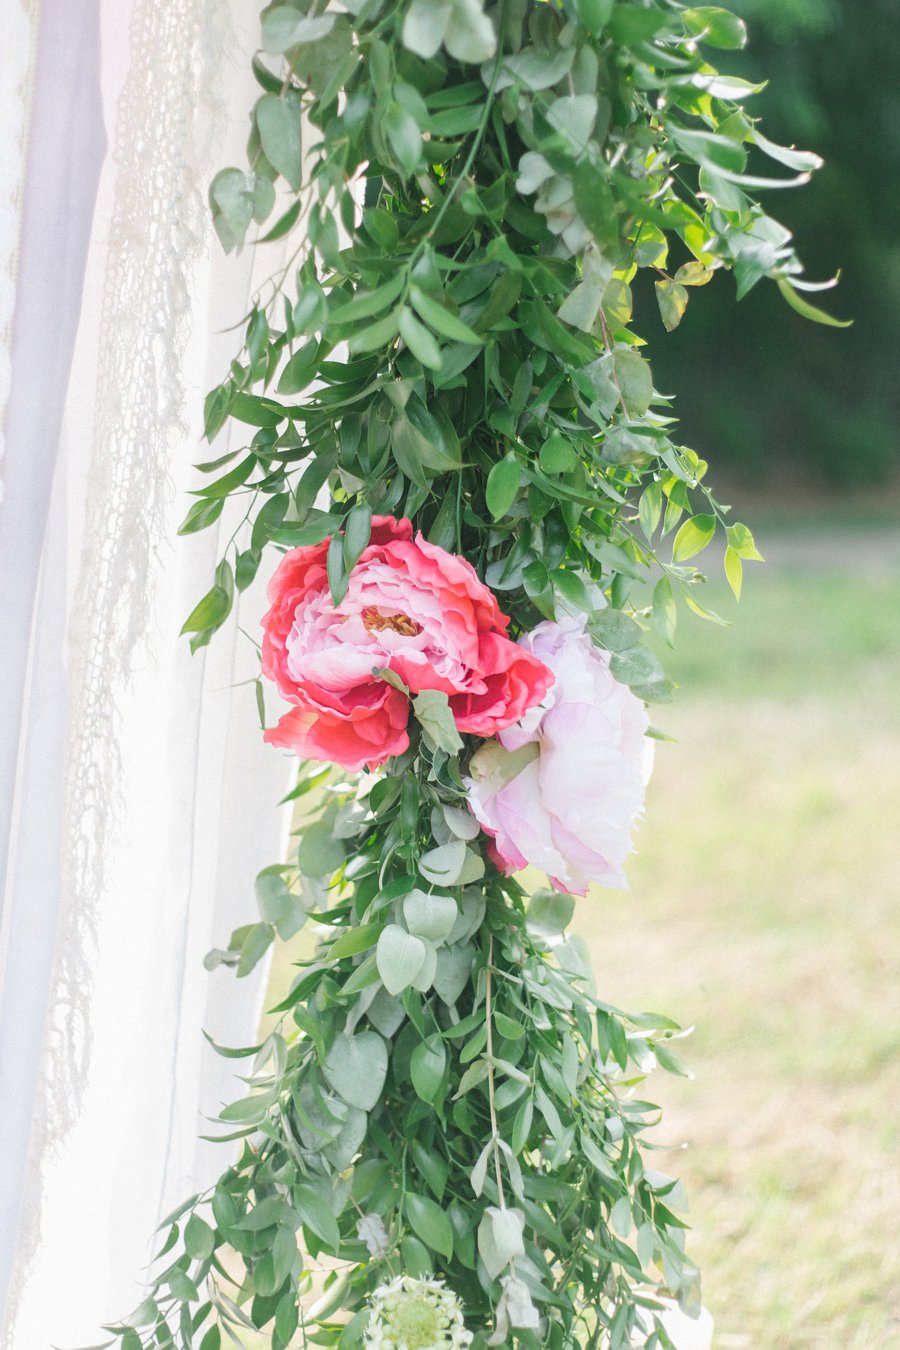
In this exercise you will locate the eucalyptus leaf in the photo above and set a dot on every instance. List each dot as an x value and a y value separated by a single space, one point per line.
424 977
429 916
341 1151
443 866
425 25
319 852
284 27
278 120
432 712
356 1067
536 69
400 957
549 912
453 968
231 196
469 35
500 1238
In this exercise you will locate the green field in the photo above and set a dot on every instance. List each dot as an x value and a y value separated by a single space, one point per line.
764 910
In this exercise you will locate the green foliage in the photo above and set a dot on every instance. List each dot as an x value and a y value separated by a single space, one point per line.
830 411
478 1100
495 389
453 340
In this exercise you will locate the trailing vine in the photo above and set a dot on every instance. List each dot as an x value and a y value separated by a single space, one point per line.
479 199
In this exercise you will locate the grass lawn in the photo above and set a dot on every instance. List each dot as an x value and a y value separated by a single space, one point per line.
763 909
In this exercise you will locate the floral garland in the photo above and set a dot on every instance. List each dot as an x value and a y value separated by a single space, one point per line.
442 1144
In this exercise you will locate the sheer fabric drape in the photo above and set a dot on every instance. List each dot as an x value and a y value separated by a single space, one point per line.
136 799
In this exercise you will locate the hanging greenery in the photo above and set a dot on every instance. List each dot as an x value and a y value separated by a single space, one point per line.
481 509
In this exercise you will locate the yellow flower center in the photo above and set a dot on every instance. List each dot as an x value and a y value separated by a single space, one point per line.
398 623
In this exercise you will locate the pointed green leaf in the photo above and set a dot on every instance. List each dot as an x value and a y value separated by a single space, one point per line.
430 1224
419 341
403 136
693 537
377 334
743 543
672 300
733 571
664 611
502 486
441 319
716 27
811 312
426 1067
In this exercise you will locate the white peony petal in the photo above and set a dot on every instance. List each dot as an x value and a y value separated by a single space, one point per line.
572 810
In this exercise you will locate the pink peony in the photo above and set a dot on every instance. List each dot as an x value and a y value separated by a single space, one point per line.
412 608
563 789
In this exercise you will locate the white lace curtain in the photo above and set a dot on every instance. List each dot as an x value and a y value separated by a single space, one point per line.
136 799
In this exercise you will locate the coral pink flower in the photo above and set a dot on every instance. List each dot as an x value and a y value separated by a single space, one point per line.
564 788
410 607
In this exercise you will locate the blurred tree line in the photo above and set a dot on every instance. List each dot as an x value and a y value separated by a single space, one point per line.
792 398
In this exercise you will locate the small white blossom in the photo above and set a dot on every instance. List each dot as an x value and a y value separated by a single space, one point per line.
408 1314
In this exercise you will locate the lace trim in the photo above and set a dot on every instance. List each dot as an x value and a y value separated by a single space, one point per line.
159 227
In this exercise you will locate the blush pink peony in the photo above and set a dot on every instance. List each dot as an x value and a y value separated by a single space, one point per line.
411 607
564 788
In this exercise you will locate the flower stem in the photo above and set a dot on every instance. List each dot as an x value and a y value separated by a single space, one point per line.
495 1134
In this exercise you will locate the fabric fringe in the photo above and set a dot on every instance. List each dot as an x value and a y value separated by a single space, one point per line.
167 121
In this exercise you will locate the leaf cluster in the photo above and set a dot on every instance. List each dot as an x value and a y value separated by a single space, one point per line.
452 339
442 1069
471 194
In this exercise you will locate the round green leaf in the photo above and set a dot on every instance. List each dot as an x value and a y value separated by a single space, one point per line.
429 916
278 120
443 866
549 912
356 1067
470 34
425 25
557 455
400 957
594 14
453 968
500 1238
